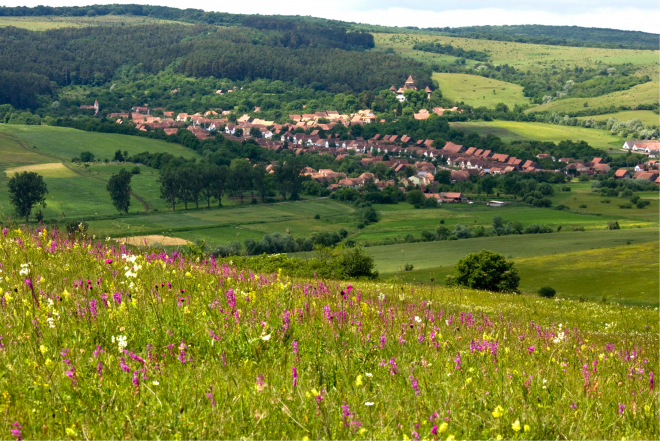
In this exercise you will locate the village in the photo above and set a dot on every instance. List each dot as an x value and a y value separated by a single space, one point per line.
306 133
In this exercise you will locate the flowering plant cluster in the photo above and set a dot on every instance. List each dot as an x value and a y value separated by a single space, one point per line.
101 342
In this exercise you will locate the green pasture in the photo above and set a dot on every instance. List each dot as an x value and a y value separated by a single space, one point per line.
479 91
45 23
646 116
646 93
510 131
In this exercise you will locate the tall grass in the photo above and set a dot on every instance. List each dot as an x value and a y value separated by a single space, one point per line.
99 343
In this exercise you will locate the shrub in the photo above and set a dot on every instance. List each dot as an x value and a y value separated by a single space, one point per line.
136 170
547 292
613 225
356 262
486 270
605 201
561 207
86 157
566 188
428 236
583 206
462 231
642 203
537 229
584 177
408 267
317 216
625 206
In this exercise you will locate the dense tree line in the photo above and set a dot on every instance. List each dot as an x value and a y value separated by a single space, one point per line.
207 183
20 90
448 49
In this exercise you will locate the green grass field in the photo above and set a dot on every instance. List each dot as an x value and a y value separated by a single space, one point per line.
646 116
646 93
525 55
45 23
479 91
510 131
618 273
75 191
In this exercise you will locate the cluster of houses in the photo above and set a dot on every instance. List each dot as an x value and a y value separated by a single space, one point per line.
650 148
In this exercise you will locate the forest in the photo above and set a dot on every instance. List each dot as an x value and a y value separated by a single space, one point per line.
92 56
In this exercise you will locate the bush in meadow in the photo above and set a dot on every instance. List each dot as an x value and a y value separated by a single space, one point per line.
486 270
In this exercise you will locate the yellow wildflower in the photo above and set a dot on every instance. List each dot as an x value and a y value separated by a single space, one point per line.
516 426
358 380
66 294
451 438
43 349
498 412
443 428
468 381
527 428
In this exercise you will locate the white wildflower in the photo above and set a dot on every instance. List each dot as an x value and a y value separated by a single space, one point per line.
418 320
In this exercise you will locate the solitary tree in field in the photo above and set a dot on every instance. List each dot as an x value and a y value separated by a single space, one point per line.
119 187
486 270
169 186
26 190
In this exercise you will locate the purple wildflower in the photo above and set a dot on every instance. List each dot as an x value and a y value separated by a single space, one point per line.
621 408
16 431
415 385
294 373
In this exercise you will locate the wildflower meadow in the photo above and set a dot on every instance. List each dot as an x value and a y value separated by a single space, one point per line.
98 341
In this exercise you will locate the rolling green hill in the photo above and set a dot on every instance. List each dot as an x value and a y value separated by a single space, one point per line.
479 91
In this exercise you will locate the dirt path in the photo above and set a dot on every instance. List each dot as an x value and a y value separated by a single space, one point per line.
25 146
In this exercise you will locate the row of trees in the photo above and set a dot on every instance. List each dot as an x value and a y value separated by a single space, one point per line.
192 183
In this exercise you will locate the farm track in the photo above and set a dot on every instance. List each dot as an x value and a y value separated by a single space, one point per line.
25 146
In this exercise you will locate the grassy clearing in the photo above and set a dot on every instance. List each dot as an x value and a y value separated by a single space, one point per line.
524 55
646 116
479 91
168 344
521 131
646 93
55 22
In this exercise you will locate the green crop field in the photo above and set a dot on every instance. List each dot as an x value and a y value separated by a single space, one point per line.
521 131
479 91
44 23
646 116
67 143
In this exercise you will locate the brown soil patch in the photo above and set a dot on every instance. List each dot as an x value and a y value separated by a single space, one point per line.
153 239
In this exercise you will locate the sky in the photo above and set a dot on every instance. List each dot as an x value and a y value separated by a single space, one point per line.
639 15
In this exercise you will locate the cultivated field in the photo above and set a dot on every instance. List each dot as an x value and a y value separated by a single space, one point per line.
479 91
55 22
102 344
646 116
523 131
